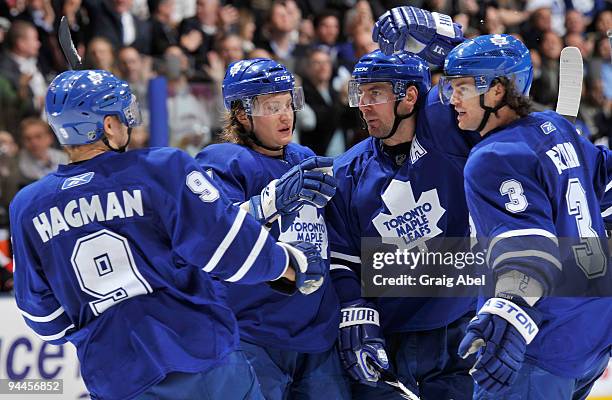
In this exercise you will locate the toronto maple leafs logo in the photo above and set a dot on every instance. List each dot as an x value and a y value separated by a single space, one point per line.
409 220
235 68
499 40
308 226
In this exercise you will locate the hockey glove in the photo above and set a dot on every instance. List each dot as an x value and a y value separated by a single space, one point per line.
309 182
428 35
504 329
309 269
360 340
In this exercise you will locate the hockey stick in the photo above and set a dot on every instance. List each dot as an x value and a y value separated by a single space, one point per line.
390 379
570 83
65 40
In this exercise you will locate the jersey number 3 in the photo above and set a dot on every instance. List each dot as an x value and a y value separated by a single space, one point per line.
589 254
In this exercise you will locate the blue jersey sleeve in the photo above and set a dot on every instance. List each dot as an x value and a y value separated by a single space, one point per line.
344 241
34 297
223 166
206 229
511 212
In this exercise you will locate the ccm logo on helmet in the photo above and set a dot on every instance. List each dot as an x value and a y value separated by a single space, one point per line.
282 78
361 69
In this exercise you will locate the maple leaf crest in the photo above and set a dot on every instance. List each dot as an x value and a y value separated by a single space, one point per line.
409 220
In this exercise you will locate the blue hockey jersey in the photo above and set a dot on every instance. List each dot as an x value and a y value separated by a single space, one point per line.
300 323
533 189
109 255
372 188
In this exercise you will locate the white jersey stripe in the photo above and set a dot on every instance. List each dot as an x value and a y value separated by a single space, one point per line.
227 241
248 263
47 318
346 257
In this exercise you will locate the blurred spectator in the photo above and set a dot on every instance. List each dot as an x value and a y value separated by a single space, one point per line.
321 97
197 33
11 179
327 30
306 32
603 23
546 87
603 121
246 29
281 36
592 102
363 44
37 157
113 20
100 55
189 119
40 13
492 21
230 49
20 65
575 22
136 70
163 31
539 22
578 40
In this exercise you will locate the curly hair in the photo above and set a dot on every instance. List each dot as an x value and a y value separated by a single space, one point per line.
233 131
515 100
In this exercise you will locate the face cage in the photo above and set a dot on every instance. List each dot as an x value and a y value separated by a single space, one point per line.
297 103
131 114
355 98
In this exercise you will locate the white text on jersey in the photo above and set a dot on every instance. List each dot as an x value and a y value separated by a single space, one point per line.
83 211
564 156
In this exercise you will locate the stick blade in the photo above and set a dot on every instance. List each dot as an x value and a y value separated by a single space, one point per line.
570 82
65 40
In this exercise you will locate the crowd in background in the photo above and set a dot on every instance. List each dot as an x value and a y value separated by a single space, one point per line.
191 43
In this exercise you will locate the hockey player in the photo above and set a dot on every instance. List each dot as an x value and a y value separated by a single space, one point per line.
530 182
385 177
110 250
288 340
538 184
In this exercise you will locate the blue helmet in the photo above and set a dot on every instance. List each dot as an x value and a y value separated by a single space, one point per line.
488 57
401 69
78 101
247 79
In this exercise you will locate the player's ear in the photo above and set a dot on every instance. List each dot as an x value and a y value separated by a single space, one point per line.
109 123
499 90
412 95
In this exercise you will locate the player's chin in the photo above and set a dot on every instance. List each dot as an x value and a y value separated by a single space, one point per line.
283 137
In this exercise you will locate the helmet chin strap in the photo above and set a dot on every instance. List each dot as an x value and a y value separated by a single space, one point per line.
120 149
397 120
488 111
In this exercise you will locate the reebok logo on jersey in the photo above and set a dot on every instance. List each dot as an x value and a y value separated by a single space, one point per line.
548 127
409 220
564 156
77 180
